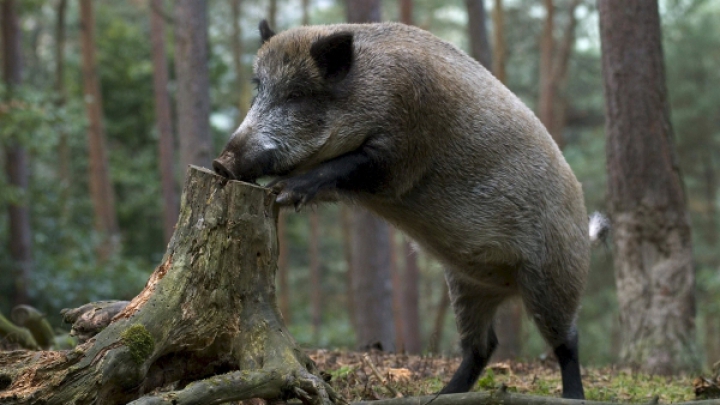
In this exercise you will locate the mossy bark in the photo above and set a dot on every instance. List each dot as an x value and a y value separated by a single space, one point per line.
207 311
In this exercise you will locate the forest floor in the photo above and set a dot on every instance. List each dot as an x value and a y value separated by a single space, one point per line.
353 378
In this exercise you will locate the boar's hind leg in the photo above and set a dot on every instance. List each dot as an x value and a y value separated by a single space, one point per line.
355 171
474 312
553 304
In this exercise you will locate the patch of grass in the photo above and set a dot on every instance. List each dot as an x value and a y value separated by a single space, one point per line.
354 381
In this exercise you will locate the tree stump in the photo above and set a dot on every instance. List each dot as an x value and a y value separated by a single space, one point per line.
205 329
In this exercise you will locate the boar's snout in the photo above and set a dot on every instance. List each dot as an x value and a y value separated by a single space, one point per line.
222 166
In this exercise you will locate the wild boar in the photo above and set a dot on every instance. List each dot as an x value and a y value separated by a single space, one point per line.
392 118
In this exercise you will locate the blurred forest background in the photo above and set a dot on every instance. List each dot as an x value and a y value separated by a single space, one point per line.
98 128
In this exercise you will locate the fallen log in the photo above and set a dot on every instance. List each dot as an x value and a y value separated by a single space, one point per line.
204 330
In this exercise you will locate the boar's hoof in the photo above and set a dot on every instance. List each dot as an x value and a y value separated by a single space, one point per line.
295 191
221 170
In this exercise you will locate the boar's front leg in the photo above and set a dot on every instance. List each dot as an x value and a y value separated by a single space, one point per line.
356 171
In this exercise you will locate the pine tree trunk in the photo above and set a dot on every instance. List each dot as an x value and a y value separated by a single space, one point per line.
477 31
406 12
411 301
305 12
499 50
546 96
207 313
241 83
372 282
315 275
163 119
362 11
16 161
63 147
193 83
101 189
651 232
272 14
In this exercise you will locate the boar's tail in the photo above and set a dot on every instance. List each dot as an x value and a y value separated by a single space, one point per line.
598 228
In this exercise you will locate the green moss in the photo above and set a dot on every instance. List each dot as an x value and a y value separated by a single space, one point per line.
139 341
487 380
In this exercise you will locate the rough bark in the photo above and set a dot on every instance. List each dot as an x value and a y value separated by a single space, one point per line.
101 190
16 162
163 119
651 233
207 313
193 83
477 32
90 319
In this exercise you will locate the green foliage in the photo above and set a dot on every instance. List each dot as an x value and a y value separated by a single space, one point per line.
487 380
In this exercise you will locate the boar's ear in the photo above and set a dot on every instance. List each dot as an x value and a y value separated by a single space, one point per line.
265 31
334 55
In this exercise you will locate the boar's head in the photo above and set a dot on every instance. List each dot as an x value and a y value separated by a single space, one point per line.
303 78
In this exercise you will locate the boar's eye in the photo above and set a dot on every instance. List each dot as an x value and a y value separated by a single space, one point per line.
294 95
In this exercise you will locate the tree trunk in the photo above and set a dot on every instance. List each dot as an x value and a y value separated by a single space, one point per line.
546 96
363 11
241 83
477 31
207 312
561 62
163 118
411 301
63 147
272 14
439 324
406 12
16 162
193 83
283 268
397 297
101 190
372 282
508 328
315 276
554 60
651 233
346 221
305 12
499 49
371 277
